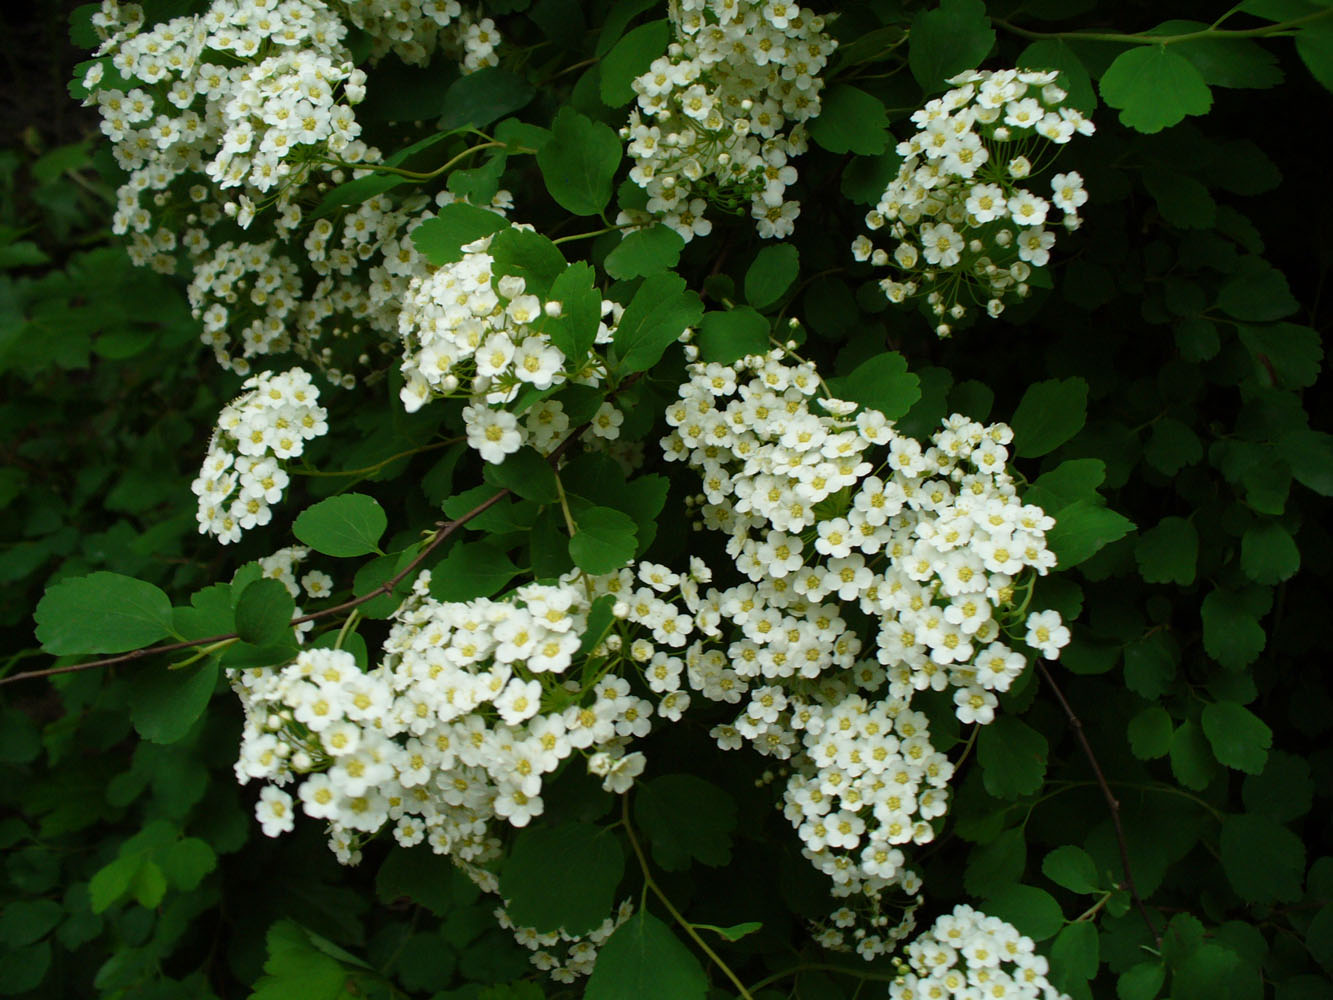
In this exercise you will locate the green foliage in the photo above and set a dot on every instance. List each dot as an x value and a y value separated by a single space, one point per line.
644 959
102 613
851 121
660 310
771 274
342 526
562 877
706 839
953 37
882 383
648 251
1154 87
579 162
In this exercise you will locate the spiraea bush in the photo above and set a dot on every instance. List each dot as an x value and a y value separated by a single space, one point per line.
704 500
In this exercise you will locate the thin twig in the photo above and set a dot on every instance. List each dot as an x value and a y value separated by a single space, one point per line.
444 530
1112 803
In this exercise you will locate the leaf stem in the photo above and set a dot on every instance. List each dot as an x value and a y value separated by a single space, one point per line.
651 884
1142 38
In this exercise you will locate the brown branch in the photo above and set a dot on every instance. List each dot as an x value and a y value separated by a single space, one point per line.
445 529
1112 803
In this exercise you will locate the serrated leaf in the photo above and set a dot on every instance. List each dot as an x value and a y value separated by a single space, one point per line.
998 863
882 383
943 42
1048 415
1224 62
1268 554
579 162
724 337
1239 738
343 526
1075 955
1012 756
1082 529
1074 77
1256 291
525 473
1168 552
1154 88
771 274
1033 911
654 319
1263 860
470 570
1232 634
264 612
165 704
528 255
1191 761
645 252
1072 868
575 329
22 970
1150 664
644 960
1283 791
630 57
25 920
441 239
1285 354
1141 982
1172 445
1183 200
1150 733
850 121
1314 42
659 805
186 862
605 540
562 877
101 613
1072 480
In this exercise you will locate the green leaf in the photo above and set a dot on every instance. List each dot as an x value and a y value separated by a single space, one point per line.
346 525
1168 552
1224 62
1232 634
149 885
1083 528
736 931
956 36
1172 446
23 969
630 57
1154 88
1314 42
479 98
1072 868
1263 860
1286 355
605 540
25 920
1072 480
1183 200
165 704
525 473
850 121
264 612
1075 955
186 862
992 866
771 274
728 336
1048 415
1141 982
1268 554
654 319
562 877
1256 291
659 805
296 969
1012 756
1283 791
1074 78
575 329
471 570
101 613
1150 733
579 162
441 239
1191 762
1033 911
644 960
882 383
1239 738
531 256
112 881
645 252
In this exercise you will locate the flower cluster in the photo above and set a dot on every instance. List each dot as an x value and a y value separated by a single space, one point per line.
469 333
456 727
967 954
719 116
242 476
414 29
565 957
963 221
